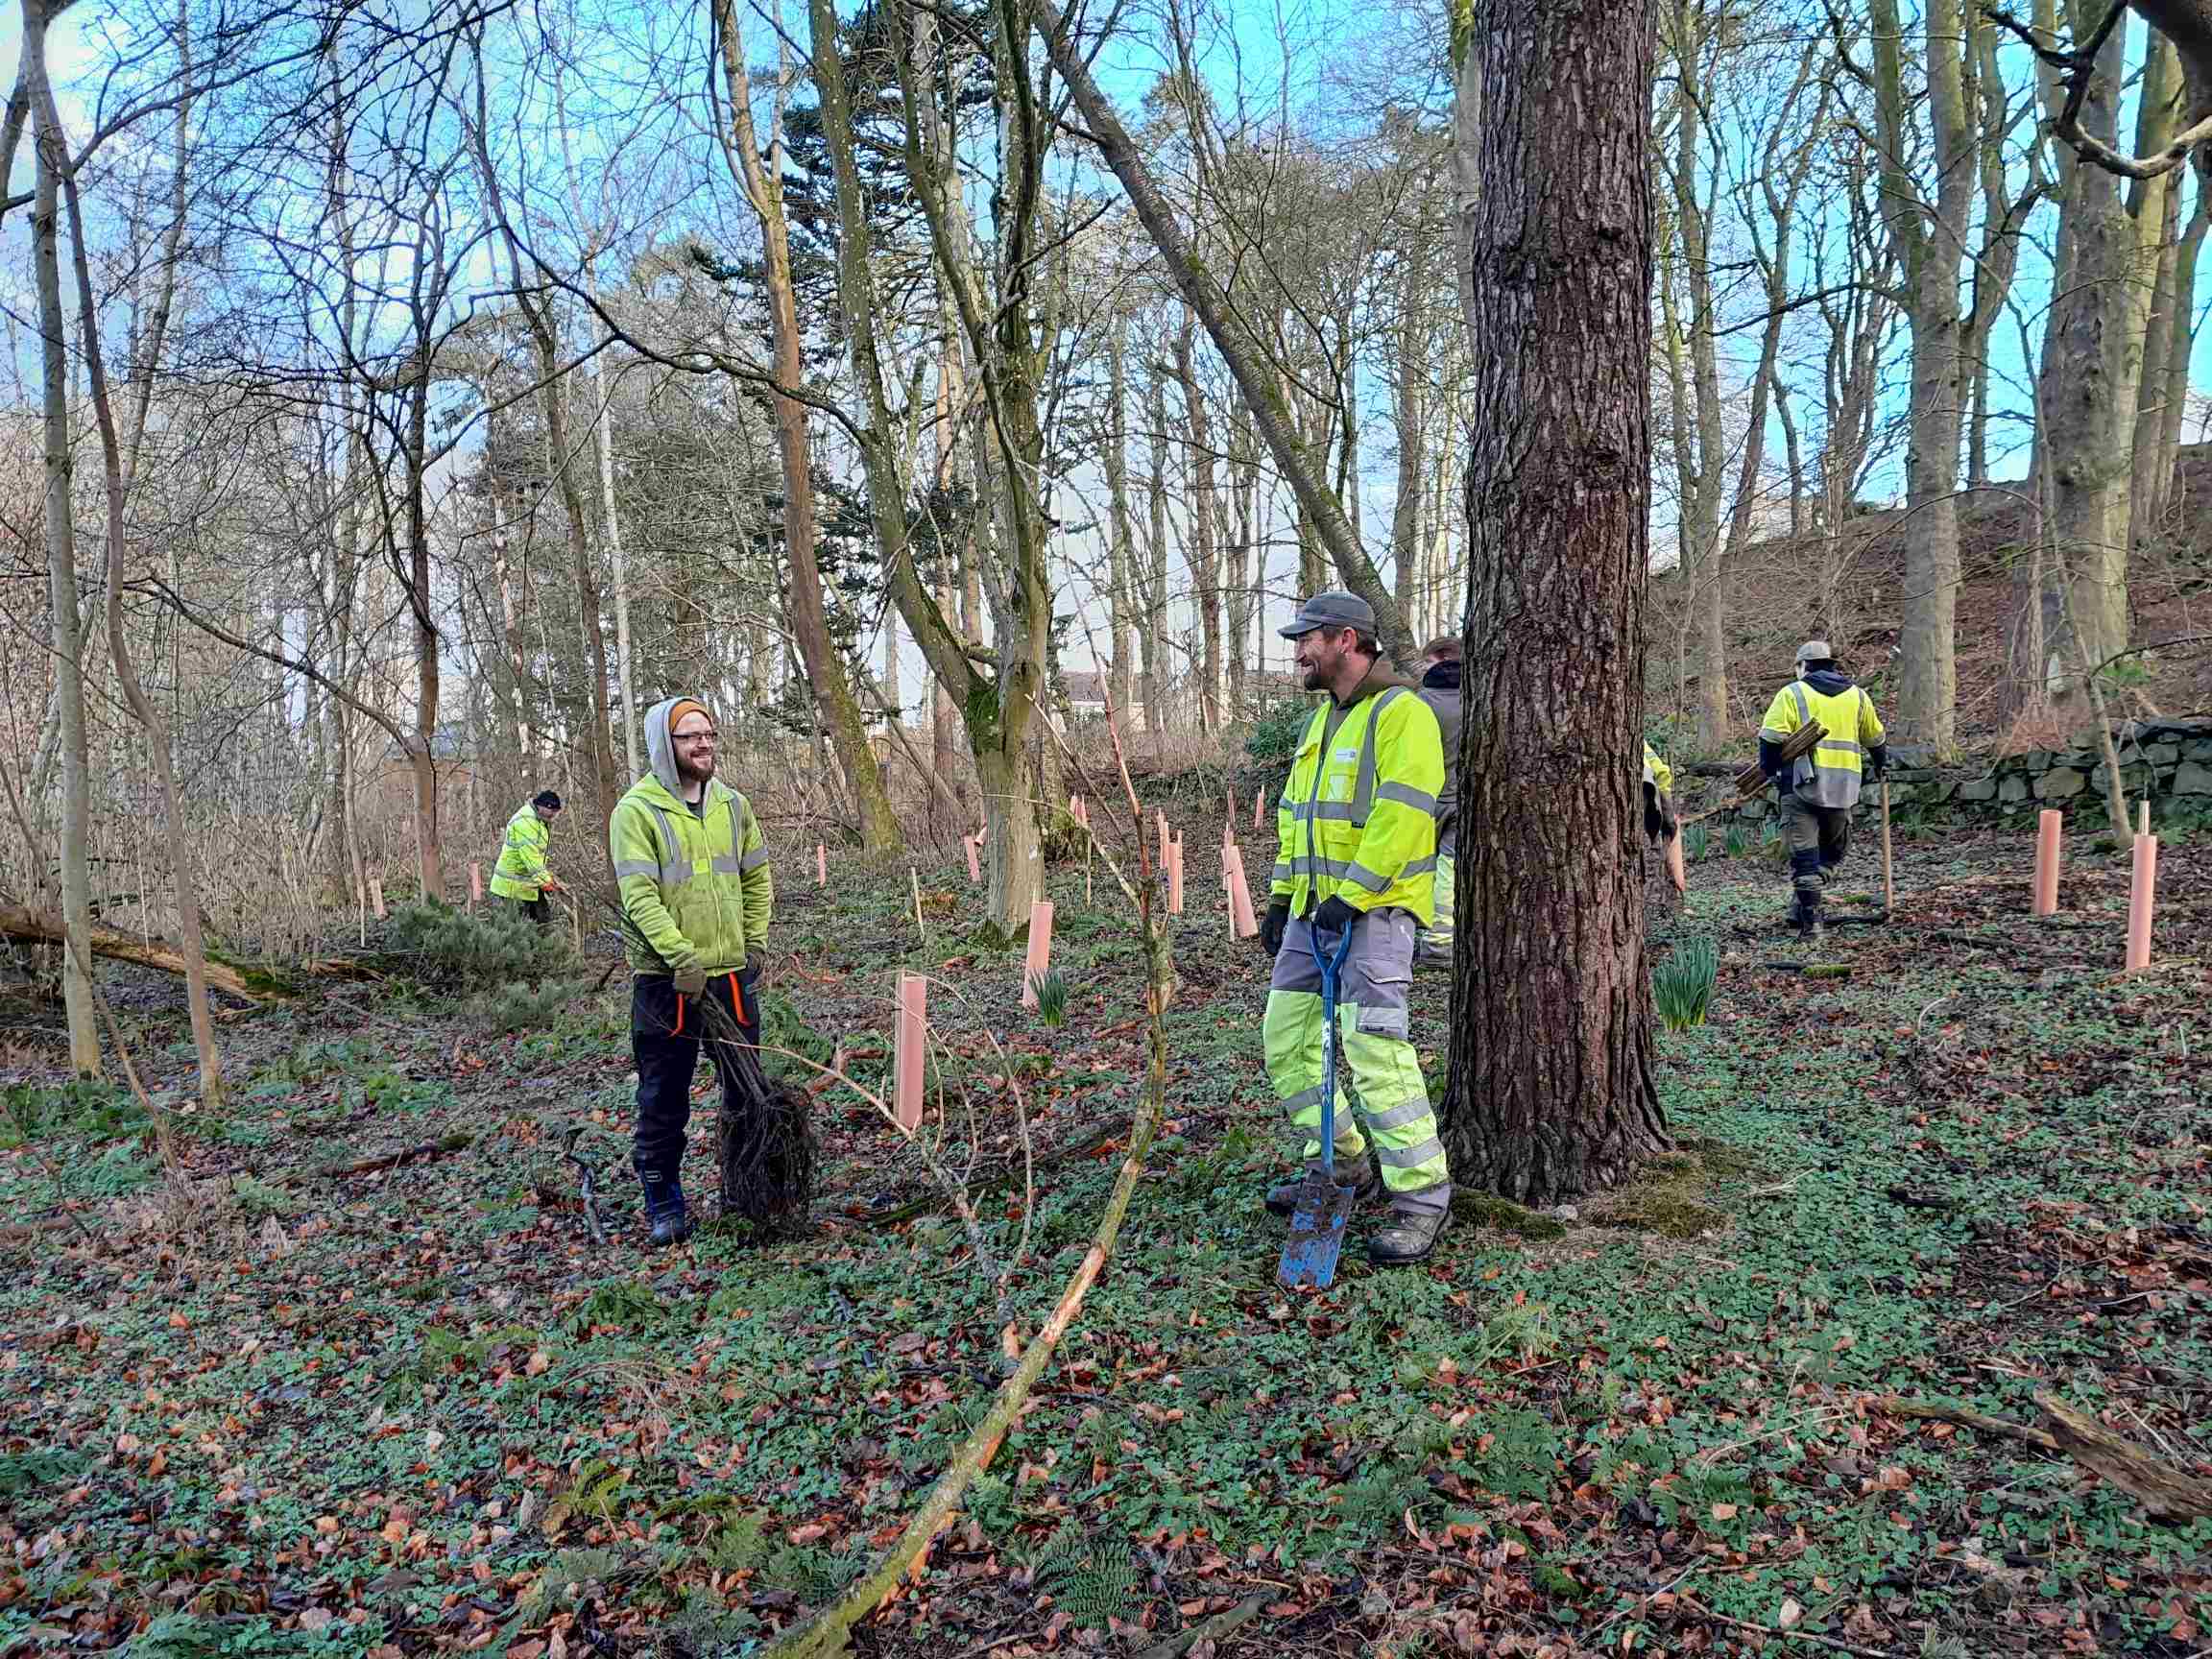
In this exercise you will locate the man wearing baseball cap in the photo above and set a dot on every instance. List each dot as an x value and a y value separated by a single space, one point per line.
1357 827
1817 791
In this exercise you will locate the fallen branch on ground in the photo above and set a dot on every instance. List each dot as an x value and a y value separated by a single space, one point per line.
2165 1492
1981 1422
1776 1631
824 1636
1078 1146
18 921
1209 1629
419 1152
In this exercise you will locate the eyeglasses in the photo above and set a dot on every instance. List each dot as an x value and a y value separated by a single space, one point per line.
693 739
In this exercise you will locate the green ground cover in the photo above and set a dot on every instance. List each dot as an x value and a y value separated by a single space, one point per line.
291 1398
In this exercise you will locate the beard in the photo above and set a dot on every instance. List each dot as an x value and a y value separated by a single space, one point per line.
1318 674
697 771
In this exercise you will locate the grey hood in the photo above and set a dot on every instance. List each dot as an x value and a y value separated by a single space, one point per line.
659 751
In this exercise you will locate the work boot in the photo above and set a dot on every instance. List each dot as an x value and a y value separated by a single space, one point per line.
665 1215
1358 1173
1410 1235
1810 927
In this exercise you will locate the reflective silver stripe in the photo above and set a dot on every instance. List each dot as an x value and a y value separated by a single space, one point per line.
675 868
1419 867
726 864
753 859
1365 877
1407 1157
1364 791
1805 766
1769 735
1310 866
1283 871
1304 1098
1405 795
1332 809
1804 709
629 867
1399 1117
1842 743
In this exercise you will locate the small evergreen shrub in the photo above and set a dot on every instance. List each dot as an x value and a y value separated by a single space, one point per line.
454 950
1273 738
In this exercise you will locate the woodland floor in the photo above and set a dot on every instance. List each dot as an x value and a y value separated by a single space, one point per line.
279 1410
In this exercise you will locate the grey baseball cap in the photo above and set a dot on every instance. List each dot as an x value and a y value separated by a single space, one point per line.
1815 651
1334 608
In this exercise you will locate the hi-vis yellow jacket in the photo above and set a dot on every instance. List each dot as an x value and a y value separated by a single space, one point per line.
695 883
1357 820
522 872
1846 713
1656 772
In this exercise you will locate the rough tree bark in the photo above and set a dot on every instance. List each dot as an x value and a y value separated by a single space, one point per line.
61 524
1705 479
184 887
2086 406
1205 550
1121 549
762 177
1551 1091
1930 239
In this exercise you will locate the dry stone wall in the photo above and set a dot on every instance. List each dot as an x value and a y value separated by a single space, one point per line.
2169 759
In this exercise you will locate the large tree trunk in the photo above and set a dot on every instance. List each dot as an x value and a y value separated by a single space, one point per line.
762 179
2087 410
1551 1091
1152 641
603 441
184 887
2154 204
1120 546
1205 554
1930 248
1412 421
2181 321
1705 587
1241 541
62 559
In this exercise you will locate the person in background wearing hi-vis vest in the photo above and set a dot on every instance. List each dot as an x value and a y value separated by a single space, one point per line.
521 877
1818 790
1357 826
1440 690
697 894
1659 822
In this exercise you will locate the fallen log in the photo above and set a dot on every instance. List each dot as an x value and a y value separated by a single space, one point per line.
1965 1417
18 921
2165 1492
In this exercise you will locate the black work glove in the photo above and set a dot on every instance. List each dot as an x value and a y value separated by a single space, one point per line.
1334 917
1273 924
